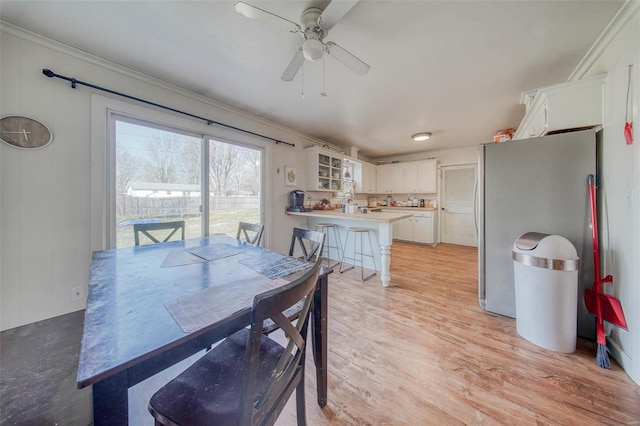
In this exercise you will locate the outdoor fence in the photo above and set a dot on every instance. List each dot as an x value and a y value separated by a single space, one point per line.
172 207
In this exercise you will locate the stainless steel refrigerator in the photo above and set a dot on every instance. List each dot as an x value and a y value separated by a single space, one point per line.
539 185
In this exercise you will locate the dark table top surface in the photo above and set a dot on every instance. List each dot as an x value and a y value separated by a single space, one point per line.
126 320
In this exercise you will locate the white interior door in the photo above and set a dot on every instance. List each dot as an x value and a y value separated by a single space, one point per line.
457 214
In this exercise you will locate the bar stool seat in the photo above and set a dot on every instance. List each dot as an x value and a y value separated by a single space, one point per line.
325 228
357 230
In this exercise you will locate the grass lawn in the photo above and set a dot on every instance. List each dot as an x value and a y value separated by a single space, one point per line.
220 222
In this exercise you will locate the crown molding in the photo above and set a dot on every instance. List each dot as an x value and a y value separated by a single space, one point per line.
112 66
619 20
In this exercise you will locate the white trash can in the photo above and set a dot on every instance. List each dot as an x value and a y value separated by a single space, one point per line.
545 271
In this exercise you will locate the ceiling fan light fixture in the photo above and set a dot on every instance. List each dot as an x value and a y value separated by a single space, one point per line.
313 49
422 136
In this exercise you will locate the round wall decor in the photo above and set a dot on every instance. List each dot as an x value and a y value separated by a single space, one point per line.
24 132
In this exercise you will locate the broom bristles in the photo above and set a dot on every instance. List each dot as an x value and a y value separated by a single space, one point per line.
602 357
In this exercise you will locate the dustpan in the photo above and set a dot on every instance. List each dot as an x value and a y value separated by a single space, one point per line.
604 306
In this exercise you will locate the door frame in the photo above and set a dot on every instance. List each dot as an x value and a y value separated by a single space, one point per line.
442 197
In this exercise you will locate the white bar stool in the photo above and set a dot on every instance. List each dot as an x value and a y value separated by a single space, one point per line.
356 231
325 228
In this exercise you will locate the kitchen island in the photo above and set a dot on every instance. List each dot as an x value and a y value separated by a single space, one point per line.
378 222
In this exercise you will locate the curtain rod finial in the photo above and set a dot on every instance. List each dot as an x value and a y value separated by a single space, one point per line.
48 72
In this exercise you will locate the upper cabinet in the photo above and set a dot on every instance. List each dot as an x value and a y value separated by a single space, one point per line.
409 178
563 106
389 180
333 171
415 177
324 170
427 177
369 179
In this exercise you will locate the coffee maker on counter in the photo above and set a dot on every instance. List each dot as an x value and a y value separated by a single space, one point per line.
296 202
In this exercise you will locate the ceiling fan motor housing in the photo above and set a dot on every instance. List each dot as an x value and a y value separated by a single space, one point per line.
309 17
312 48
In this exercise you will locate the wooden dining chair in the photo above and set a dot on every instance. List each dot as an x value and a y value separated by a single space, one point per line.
248 378
308 242
311 244
251 233
147 228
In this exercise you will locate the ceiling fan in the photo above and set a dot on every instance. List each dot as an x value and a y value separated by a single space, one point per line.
314 26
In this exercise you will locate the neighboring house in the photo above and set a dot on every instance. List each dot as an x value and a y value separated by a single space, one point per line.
162 190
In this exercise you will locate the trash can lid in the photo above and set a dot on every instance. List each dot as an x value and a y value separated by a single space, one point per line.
546 251
530 240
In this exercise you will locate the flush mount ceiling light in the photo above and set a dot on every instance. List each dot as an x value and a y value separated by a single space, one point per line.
422 136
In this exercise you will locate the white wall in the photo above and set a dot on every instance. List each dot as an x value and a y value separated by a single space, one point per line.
52 200
621 183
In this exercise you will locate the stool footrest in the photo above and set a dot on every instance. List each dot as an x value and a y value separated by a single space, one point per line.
361 254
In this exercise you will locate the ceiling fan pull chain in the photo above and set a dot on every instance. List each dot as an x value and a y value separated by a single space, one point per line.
324 72
302 80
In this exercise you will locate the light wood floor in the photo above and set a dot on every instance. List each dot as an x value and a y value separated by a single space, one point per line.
422 352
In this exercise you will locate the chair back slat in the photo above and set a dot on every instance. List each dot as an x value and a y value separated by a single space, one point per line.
309 242
146 228
290 367
251 233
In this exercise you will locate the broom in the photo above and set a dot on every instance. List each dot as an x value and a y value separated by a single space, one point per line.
602 356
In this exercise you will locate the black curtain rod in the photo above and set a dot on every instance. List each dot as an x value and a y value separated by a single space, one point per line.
209 122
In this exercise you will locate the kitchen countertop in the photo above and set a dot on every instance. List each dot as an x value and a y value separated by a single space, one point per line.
430 209
370 216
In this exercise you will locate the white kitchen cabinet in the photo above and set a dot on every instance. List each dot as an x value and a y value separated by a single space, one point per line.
563 106
427 177
423 228
324 170
420 228
405 229
410 178
389 179
369 179
419 177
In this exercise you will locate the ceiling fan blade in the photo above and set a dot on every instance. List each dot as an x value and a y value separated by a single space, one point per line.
335 11
253 12
294 66
355 64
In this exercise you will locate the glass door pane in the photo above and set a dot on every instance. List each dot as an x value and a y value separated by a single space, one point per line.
235 186
157 178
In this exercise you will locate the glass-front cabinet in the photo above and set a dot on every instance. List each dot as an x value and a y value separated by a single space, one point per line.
324 170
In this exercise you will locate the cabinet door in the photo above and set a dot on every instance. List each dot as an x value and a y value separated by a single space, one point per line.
384 179
373 179
368 178
390 179
395 178
426 177
380 179
410 178
423 230
405 229
323 170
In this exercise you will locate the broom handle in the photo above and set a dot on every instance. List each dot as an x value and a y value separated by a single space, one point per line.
594 235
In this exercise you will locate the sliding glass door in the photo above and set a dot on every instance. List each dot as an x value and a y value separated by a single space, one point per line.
235 186
158 174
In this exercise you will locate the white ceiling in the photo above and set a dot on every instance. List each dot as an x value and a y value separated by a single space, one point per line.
454 68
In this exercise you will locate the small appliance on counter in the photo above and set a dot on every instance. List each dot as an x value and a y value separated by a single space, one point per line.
421 202
296 202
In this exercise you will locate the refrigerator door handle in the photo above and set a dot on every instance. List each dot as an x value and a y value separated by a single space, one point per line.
479 214
475 204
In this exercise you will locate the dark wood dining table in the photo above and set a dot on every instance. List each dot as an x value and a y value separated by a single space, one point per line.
134 325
